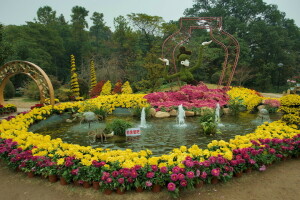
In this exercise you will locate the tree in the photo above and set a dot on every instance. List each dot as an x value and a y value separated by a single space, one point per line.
46 15
266 37
149 26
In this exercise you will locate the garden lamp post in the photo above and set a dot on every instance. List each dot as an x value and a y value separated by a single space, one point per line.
280 65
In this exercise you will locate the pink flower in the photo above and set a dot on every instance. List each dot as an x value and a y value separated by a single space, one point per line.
148 183
171 186
204 175
109 180
262 168
198 173
215 172
190 174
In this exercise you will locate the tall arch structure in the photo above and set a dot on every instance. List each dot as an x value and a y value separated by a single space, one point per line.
33 71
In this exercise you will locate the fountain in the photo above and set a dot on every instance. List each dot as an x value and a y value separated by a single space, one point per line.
181 117
143 119
217 116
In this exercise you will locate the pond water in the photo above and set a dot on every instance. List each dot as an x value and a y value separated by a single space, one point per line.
160 136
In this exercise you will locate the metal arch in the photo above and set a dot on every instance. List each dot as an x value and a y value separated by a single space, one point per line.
33 71
211 23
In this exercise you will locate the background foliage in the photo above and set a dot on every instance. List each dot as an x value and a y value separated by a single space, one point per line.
127 52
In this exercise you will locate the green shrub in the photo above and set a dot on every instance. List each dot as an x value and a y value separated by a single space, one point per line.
32 91
119 126
236 105
63 94
83 87
56 84
9 91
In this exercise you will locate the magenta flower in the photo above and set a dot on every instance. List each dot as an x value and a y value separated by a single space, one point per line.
171 186
190 174
109 180
115 174
75 171
121 180
154 168
164 170
150 174
183 183
174 177
133 174
215 172
181 176
176 169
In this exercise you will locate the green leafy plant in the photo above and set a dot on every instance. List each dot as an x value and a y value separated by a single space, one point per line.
119 126
236 105
208 123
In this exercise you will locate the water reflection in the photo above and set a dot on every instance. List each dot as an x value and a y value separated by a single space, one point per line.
161 136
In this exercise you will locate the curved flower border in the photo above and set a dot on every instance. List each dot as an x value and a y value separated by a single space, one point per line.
182 168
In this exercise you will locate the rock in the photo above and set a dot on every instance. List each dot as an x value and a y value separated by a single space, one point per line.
226 111
173 113
189 113
152 112
261 107
161 114
69 121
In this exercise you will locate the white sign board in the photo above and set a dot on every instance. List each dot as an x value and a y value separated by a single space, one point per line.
133 132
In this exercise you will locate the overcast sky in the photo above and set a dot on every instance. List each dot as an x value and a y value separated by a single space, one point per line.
17 12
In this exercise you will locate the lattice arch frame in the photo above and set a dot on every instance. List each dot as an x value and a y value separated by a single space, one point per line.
33 71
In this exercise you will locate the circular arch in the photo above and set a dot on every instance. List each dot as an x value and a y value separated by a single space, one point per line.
33 71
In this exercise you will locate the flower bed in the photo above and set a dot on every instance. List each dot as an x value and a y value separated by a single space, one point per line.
189 96
125 169
7 109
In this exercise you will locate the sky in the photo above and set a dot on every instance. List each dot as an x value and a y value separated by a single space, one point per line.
17 12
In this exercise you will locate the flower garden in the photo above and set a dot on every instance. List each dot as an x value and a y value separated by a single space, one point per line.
182 168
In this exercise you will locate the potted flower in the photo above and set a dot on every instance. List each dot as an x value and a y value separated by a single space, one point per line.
106 183
50 170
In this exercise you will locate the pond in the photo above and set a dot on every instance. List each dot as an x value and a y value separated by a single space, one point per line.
161 135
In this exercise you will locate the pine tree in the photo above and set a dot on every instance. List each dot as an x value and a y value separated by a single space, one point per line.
74 78
93 80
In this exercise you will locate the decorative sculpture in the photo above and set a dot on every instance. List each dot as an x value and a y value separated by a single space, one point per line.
217 34
185 73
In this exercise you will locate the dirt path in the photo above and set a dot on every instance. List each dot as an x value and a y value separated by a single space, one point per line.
279 182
